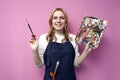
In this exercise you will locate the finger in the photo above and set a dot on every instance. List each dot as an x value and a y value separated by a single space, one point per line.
88 44
88 47
34 37
31 40
96 46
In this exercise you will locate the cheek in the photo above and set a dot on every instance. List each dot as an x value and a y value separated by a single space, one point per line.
53 21
63 21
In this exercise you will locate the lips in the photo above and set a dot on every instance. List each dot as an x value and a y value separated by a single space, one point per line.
58 25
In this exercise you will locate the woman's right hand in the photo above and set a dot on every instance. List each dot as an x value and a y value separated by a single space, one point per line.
33 43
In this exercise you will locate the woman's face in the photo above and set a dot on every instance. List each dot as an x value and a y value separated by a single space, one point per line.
58 21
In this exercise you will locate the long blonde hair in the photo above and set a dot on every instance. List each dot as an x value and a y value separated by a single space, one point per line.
51 32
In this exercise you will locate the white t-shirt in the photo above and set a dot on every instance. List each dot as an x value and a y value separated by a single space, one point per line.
43 44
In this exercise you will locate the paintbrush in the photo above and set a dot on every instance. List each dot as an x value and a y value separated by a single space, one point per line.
52 74
30 29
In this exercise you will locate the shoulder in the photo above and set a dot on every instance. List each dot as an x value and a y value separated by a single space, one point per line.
72 37
42 38
43 35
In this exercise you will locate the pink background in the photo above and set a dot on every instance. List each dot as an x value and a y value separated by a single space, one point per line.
16 59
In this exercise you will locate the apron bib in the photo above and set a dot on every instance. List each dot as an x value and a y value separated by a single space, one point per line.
65 54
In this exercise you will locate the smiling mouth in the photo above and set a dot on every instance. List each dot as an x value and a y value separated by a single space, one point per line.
58 25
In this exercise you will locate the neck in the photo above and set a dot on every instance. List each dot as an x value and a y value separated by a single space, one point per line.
59 32
59 36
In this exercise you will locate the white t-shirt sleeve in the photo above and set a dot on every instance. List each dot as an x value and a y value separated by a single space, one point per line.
77 54
41 48
75 45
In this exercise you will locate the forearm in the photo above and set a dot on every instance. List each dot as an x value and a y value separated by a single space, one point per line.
82 57
37 59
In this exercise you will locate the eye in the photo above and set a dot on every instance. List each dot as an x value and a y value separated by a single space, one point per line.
62 17
54 17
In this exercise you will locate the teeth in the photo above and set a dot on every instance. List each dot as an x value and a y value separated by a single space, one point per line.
58 24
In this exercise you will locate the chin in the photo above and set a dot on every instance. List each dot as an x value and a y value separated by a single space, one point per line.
59 28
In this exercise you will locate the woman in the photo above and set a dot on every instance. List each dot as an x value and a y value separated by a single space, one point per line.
57 49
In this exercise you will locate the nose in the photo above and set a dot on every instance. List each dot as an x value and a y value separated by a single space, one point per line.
58 20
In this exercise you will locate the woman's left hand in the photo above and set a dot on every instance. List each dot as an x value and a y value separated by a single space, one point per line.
88 48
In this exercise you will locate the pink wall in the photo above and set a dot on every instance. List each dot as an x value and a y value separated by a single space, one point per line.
16 60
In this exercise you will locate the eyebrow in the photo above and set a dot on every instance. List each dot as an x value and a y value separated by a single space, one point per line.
59 16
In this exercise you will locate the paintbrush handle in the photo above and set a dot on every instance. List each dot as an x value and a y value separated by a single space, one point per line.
34 37
30 29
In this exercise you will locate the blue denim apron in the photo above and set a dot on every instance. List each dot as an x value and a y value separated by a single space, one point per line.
65 54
